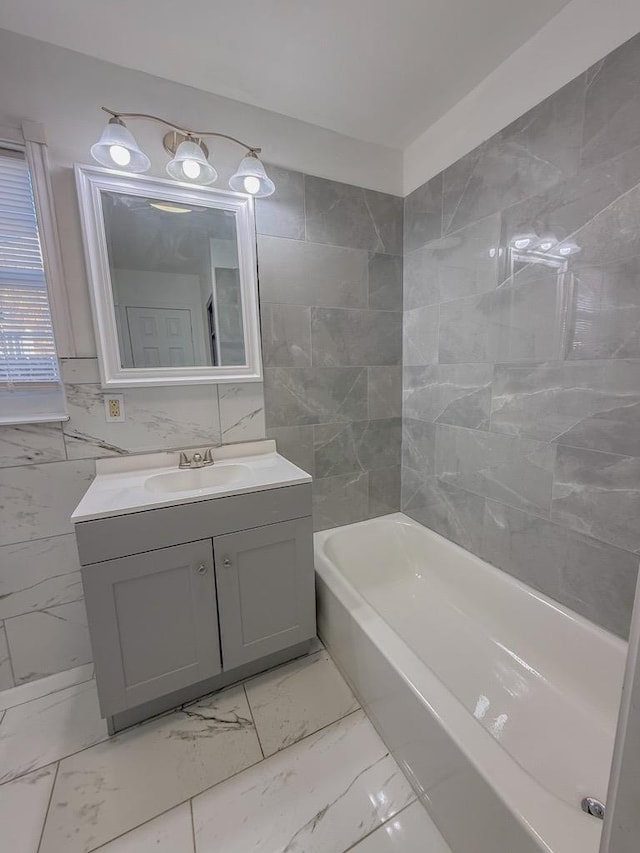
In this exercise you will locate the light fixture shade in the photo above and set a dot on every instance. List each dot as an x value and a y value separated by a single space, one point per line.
250 177
117 149
189 164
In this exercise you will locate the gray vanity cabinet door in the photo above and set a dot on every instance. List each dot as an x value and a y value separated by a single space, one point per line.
265 581
153 622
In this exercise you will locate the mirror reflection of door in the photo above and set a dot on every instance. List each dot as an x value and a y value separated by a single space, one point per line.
160 337
175 283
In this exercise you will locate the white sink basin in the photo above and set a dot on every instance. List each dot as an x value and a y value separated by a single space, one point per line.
197 479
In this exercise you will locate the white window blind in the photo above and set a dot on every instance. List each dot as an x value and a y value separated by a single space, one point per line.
29 373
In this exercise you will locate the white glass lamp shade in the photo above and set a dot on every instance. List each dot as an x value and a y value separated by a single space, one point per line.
189 164
118 149
251 178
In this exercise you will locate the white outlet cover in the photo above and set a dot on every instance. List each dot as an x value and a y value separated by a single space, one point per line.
107 400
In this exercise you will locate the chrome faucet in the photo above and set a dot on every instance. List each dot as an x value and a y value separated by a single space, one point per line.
197 460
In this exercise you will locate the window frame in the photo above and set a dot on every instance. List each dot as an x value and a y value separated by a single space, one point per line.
30 141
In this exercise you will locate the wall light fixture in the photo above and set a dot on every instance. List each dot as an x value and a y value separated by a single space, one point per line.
118 149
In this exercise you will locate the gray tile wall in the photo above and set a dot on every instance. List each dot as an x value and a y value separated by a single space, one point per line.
330 270
521 379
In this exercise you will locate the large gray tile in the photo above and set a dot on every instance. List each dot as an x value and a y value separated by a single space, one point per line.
351 336
36 501
421 277
453 513
295 700
515 322
27 443
296 396
420 331
6 673
299 273
155 420
385 282
457 394
588 206
606 312
595 579
385 391
516 471
587 404
345 215
286 335
384 491
48 641
39 574
419 446
536 152
357 446
117 785
423 214
340 500
612 105
295 443
463 263
282 214
598 494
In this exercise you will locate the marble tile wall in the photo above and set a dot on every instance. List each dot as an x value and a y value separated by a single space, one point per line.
330 270
521 370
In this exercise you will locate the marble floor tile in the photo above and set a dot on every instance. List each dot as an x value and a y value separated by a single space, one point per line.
48 641
297 699
171 832
323 794
105 791
6 672
23 808
411 831
47 729
44 686
27 443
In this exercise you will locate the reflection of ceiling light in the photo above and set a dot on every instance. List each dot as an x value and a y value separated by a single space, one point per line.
117 148
546 242
523 241
567 249
169 208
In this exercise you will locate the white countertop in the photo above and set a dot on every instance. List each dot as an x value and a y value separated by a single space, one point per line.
120 486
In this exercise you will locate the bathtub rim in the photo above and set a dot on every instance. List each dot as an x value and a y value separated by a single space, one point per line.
551 822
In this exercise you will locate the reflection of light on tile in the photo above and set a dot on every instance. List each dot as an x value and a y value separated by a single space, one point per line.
482 706
497 727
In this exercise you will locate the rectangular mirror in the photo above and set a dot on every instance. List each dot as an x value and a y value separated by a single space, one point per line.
173 280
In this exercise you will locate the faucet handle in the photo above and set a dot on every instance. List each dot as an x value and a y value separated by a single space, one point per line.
208 457
184 460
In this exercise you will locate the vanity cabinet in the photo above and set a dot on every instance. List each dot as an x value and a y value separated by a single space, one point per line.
185 599
265 596
154 623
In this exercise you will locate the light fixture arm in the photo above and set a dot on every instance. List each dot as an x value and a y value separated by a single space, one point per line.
198 134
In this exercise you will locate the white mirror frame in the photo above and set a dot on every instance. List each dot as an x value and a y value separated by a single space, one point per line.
91 181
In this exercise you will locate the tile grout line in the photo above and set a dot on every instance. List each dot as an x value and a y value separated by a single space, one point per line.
253 719
193 825
46 814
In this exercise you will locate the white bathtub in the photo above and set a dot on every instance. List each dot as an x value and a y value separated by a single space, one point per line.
499 703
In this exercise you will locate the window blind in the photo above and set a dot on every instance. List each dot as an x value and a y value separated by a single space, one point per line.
27 348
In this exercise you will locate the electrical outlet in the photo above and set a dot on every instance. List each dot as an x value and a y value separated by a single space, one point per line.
114 407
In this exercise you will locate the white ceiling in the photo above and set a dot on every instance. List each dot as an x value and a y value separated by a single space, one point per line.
377 70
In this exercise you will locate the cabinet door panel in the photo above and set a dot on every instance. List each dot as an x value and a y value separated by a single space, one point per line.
153 622
265 581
